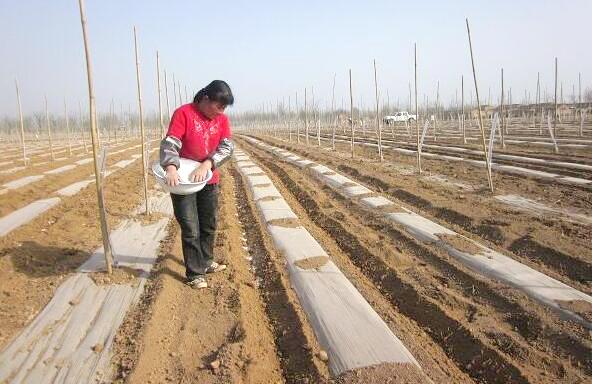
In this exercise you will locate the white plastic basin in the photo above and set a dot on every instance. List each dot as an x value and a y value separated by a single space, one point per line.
185 187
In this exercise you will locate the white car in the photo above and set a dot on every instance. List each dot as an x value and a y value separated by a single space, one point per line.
399 117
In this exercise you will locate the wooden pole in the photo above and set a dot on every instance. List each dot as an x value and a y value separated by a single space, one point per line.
166 93
49 129
538 102
67 127
416 110
502 112
333 122
93 130
305 117
142 133
555 118
580 104
377 115
159 93
297 121
179 90
462 101
351 113
437 111
21 121
487 161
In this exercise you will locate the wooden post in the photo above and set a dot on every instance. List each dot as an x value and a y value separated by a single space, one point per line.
305 117
416 110
538 101
437 111
21 121
580 104
166 93
175 105
462 98
93 130
297 121
49 129
487 161
377 115
333 122
502 112
555 117
67 127
179 90
159 98
142 133
351 113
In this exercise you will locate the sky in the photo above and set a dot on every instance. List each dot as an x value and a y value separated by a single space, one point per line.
270 51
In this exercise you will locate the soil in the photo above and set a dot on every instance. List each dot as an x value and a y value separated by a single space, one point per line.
558 248
248 325
36 257
445 314
581 307
461 243
384 373
120 275
315 262
180 334
287 223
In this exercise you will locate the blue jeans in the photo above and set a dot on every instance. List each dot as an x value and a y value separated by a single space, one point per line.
196 214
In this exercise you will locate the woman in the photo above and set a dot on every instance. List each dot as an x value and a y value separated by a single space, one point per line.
199 131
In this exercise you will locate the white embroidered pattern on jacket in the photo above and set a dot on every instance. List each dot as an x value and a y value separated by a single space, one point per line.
211 129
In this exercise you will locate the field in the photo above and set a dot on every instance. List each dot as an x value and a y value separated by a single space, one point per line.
409 278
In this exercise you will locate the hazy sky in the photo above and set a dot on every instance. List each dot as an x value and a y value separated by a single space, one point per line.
269 50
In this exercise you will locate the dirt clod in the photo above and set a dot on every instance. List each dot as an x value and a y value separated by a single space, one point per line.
461 243
580 307
215 364
288 223
314 262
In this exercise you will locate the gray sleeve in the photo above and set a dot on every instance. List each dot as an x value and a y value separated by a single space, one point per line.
223 153
169 151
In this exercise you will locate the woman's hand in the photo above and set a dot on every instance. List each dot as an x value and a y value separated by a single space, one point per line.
172 177
201 172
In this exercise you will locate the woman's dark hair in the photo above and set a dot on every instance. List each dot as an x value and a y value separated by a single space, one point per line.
217 90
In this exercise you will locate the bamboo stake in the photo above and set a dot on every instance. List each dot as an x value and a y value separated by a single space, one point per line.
179 90
22 123
175 93
68 127
159 98
297 121
538 102
305 117
81 126
142 133
502 112
462 98
49 130
166 93
93 130
437 111
555 117
487 161
351 113
333 122
377 116
417 111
